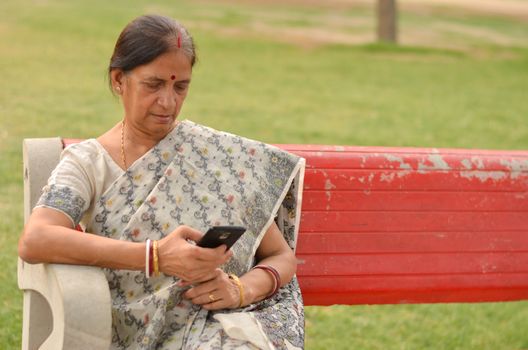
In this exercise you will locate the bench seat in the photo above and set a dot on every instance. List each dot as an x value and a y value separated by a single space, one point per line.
379 225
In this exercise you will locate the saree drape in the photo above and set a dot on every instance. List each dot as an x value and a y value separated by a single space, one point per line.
199 177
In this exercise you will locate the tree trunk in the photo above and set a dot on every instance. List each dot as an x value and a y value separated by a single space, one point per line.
387 21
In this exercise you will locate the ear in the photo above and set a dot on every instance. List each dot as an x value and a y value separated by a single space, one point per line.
117 77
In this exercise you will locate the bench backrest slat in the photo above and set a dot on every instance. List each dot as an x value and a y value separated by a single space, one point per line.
404 225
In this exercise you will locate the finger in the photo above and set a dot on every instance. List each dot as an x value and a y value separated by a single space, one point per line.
221 249
217 305
217 255
200 275
185 283
182 283
190 233
228 254
204 274
208 276
200 278
207 298
205 287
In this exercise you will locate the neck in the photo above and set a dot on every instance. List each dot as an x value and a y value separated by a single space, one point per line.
135 142
137 138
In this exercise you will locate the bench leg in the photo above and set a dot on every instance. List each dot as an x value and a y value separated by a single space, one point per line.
37 321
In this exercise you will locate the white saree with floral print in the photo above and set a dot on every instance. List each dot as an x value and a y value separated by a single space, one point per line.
199 177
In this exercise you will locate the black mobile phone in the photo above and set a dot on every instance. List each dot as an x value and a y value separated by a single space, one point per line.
218 235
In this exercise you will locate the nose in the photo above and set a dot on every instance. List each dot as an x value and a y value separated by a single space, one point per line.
168 99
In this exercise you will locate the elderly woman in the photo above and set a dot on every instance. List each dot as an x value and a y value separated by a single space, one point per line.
149 187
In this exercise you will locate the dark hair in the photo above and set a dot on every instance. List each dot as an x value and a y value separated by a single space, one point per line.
146 38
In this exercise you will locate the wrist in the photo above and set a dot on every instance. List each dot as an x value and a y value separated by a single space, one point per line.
161 251
240 289
249 292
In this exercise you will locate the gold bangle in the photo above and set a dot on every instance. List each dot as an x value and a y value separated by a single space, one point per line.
155 258
235 279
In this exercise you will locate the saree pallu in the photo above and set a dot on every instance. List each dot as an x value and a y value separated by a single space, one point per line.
200 177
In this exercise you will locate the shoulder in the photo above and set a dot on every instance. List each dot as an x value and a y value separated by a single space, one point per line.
84 145
237 144
86 148
80 159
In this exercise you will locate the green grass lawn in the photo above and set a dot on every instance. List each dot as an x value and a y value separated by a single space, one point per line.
281 74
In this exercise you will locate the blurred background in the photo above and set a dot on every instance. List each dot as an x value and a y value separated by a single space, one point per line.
289 71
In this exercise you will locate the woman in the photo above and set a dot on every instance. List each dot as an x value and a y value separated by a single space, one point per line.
146 190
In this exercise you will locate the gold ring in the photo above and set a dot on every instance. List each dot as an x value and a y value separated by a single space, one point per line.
211 297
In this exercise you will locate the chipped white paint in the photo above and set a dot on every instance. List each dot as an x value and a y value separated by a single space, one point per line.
403 173
488 267
517 167
437 161
390 176
467 164
483 176
329 186
387 177
393 158
473 163
371 177
363 161
522 195
339 148
478 162
476 170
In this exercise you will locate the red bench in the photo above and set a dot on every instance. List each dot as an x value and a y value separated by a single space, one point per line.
379 225
403 225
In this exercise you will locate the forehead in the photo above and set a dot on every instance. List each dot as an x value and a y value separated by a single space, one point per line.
172 65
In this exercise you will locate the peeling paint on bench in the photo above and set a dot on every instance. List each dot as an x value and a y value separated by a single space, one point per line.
407 225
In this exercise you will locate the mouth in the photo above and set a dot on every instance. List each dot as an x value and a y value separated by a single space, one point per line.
163 118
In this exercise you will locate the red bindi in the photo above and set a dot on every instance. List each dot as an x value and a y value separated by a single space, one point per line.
173 77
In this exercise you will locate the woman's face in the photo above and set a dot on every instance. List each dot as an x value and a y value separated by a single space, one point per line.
153 94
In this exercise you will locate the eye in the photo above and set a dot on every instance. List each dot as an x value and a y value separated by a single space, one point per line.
153 86
180 87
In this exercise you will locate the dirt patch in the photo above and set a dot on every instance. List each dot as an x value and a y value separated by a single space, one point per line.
517 9
333 25
307 38
514 9
478 33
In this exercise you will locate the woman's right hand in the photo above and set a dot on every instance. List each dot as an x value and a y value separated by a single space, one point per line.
193 264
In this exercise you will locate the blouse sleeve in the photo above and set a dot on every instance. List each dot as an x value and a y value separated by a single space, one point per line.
69 187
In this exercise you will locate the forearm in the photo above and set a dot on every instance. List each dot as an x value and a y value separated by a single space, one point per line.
62 245
259 283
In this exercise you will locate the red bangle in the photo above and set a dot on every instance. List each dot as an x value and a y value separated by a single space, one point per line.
151 262
276 277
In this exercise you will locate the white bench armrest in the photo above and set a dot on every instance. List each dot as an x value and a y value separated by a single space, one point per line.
65 306
78 299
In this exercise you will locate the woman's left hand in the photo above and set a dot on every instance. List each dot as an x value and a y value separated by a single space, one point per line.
220 292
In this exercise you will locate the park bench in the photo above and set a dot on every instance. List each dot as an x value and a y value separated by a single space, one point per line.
378 226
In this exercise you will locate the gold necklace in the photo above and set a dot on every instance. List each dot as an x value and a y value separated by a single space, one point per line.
123 157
